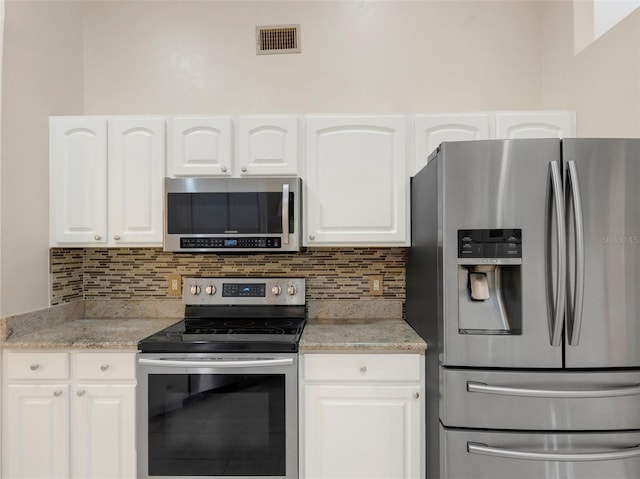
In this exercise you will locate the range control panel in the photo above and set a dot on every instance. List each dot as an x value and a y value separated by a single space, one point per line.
247 291
490 243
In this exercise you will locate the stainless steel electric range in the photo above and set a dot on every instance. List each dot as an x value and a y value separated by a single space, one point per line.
217 392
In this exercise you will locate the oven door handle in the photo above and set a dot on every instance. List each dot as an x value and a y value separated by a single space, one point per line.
215 363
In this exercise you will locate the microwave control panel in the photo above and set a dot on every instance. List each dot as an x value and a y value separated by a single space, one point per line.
231 243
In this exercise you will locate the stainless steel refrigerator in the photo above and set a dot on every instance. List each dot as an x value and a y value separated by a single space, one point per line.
524 278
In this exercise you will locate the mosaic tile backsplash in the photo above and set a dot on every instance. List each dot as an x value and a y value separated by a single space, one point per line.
141 273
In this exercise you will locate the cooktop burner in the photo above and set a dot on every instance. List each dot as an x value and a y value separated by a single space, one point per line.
235 315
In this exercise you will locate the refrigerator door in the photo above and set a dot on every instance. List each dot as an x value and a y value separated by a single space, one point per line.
542 400
469 454
507 320
603 323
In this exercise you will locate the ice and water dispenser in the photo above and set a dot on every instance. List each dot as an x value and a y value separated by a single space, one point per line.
490 281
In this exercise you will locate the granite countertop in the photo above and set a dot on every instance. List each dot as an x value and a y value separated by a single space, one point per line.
90 334
360 335
320 335
115 324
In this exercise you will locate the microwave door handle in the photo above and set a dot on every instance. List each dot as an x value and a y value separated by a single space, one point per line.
285 213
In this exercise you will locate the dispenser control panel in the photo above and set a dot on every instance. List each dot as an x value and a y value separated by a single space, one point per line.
490 243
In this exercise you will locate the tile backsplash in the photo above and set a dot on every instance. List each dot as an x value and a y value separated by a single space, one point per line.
141 273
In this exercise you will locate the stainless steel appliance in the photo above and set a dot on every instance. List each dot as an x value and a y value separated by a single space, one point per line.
524 278
230 215
218 391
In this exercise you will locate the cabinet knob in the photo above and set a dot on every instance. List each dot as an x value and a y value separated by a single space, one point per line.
80 392
97 237
244 169
223 169
416 395
57 393
311 237
33 367
116 237
363 369
104 367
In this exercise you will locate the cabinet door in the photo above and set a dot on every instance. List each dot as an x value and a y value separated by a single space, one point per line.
268 145
136 173
199 146
539 124
362 432
431 130
78 181
356 183
36 431
104 431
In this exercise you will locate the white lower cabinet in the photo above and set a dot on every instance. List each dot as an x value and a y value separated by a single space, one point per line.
69 415
361 416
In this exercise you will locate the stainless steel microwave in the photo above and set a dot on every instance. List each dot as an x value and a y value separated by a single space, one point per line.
232 215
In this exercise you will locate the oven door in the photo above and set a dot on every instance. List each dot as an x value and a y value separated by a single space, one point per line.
217 415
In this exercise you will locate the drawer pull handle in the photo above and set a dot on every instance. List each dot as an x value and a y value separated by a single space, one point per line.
104 367
475 387
416 395
363 369
477 448
57 393
80 392
33 367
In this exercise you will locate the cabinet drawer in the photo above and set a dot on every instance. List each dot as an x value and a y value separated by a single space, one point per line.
363 367
37 365
105 365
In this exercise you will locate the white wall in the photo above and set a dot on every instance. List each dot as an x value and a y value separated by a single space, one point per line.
42 76
601 83
357 56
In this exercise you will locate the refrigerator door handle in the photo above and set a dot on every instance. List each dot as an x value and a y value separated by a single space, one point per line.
478 448
556 184
476 387
576 320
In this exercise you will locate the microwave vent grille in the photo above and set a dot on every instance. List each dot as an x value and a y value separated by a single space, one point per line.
277 39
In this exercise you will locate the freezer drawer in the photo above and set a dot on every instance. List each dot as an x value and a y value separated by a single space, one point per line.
468 454
554 400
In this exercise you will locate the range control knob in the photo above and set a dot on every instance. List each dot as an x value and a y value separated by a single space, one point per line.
210 290
276 290
195 290
291 290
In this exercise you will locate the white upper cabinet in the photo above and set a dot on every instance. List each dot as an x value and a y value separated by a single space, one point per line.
267 145
203 146
78 181
356 181
431 130
136 173
199 146
106 181
535 124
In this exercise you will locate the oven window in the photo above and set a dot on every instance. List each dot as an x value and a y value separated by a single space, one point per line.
216 424
220 213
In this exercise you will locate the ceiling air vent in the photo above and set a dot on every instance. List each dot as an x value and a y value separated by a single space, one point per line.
278 39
